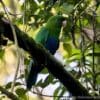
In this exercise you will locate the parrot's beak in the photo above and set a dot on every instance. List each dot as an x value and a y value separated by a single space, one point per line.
64 23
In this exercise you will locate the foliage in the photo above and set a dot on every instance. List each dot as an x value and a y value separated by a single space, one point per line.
80 40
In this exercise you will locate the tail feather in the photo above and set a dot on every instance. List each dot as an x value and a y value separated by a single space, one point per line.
33 74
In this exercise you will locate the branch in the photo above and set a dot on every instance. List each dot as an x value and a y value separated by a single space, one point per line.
8 94
42 55
89 33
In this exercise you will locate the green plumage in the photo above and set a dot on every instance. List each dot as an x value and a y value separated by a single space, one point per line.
52 28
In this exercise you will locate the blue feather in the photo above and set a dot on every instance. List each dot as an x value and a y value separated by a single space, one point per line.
52 44
32 77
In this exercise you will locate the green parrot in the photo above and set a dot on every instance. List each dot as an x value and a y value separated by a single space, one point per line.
48 36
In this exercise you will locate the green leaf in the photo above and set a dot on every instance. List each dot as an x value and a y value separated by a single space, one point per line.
39 83
21 93
88 74
56 93
76 55
67 47
97 54
44 71
10 83
66 8
46 82
62 91
2 52
98 79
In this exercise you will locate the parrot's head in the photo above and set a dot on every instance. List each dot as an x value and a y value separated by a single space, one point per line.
56 22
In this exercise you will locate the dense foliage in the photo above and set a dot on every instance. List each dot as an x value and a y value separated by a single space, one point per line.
80 41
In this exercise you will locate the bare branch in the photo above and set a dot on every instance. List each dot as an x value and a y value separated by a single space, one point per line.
8 94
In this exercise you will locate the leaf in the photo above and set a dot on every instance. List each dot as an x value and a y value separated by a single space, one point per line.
46 82
49 79
10 83
97 54
67 47
98 79
66 8
76 55
44 71
21 93
62 91
55 81
2 52
56 93
39 83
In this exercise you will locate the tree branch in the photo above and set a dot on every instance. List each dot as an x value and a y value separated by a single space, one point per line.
42 55
8 94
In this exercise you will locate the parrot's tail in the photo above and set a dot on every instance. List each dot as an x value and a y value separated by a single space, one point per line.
33 74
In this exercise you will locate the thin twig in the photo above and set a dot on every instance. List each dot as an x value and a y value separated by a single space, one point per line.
93 57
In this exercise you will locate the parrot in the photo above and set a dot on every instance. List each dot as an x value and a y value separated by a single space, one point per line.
48 36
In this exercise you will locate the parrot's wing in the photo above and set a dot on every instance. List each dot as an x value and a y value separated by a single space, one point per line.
42 36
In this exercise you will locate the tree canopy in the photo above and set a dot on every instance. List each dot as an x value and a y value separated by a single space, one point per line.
78 71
